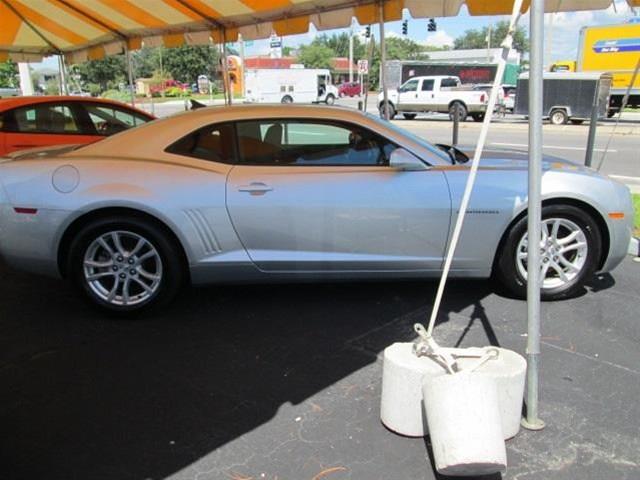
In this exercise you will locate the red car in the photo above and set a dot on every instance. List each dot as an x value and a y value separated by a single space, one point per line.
30 122
349 89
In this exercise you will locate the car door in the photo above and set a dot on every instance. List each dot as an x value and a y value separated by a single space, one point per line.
426 98
43 124
408 95
319 196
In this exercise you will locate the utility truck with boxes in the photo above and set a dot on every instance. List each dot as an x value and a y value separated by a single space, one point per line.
436 93
613 49
289 85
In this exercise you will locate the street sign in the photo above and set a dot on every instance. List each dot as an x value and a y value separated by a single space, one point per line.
363 67
275 41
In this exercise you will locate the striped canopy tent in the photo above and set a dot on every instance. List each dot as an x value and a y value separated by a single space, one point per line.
90 29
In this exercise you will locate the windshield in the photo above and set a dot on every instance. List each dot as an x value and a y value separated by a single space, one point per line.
414 138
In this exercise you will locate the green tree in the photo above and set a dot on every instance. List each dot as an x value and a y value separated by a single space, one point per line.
106 72
477 38
315 55
396 49
185 63
339 43
8 74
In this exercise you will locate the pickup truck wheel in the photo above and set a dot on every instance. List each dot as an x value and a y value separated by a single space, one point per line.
330 99
409 116
462 111
390 109
477 117
577 122
558 117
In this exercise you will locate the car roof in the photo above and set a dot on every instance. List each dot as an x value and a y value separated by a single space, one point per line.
14 102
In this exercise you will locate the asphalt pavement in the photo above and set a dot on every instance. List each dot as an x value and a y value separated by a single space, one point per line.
283 381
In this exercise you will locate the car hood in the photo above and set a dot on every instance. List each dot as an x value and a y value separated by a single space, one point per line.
504 158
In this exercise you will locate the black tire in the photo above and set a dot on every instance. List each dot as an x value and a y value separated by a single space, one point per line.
558 117
477 117
462 111
330 100
576 121
409 116
611 113
508 274
391 109
287 99
173 273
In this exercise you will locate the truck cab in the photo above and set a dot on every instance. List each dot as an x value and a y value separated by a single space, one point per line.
438 93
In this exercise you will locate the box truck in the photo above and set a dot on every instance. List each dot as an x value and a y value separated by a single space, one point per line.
289 85
614 49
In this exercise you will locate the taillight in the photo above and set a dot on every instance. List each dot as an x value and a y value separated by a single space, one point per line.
482 98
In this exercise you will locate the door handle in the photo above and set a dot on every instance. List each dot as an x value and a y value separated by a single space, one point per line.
255 188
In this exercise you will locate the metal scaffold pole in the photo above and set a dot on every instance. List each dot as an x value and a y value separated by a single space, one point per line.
534 213
383 61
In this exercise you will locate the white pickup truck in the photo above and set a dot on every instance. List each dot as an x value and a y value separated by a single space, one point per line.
438 93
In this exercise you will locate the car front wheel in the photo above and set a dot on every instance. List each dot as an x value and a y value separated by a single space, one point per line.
125 265
570 250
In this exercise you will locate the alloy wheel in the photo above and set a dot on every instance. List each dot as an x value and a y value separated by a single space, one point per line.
563 249
122 268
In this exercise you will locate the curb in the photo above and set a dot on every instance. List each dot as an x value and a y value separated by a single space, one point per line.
634 247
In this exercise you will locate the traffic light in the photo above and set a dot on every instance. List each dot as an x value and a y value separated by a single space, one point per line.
431 27
367 32
405 27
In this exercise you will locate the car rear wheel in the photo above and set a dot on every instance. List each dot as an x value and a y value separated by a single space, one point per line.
570 249
125 265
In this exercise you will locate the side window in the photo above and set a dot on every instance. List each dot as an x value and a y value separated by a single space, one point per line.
108 120
410 86
448 82
427 85
42 118
213 143
310 143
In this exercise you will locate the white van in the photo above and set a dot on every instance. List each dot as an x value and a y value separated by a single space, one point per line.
289 85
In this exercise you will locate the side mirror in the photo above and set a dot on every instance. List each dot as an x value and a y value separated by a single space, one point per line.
401 159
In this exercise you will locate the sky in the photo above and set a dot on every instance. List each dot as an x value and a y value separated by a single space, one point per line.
563 31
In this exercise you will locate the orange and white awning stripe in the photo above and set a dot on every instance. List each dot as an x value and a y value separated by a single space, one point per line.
89 29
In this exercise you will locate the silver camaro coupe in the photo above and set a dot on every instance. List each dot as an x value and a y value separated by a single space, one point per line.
272 193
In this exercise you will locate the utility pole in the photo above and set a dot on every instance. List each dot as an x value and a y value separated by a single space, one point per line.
489 43
549 40
351 52
383 62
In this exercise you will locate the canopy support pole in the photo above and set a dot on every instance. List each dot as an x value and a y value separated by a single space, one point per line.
127 54
383 61
534 213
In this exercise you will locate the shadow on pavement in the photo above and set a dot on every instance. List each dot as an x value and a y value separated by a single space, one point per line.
146 398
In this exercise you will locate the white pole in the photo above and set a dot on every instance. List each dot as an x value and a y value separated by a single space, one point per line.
132 87
64 90
26 84
351 52
549 40
534 212
383 61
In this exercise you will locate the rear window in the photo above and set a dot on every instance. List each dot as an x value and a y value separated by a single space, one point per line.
213 142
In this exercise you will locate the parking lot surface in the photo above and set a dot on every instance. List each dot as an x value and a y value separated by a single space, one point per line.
283 381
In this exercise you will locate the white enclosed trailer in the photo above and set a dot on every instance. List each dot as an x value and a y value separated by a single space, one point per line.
289 85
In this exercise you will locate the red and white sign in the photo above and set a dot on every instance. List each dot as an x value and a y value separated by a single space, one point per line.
363 67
